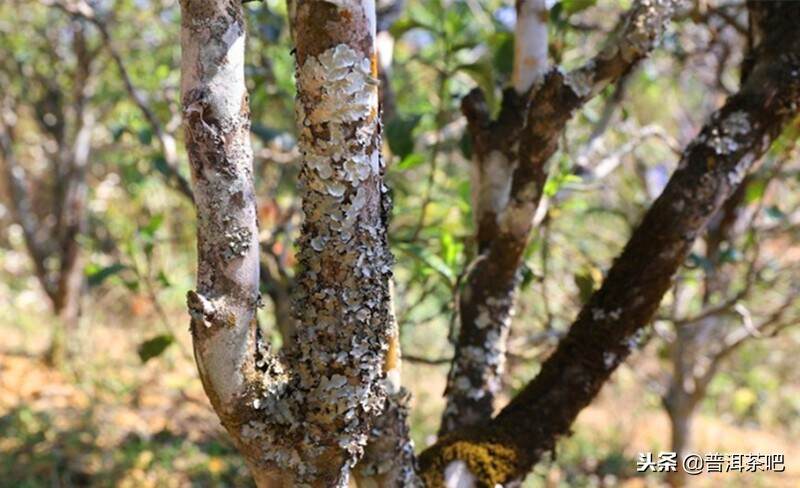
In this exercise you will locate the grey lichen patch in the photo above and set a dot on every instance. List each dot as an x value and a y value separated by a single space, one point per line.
389 460
581 81
644 27
478 368
724 139
344 76
317 416
239 240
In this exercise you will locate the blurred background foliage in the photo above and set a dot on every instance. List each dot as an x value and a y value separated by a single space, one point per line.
127 409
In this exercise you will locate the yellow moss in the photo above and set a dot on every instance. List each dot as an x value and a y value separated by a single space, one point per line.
491 463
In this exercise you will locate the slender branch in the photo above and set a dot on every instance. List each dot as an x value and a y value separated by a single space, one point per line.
166 141
21 206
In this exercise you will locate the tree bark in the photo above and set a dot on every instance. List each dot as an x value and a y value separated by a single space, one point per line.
301 418
680 406
605 331
511 156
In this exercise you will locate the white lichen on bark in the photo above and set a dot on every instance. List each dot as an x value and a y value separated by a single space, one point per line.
217 137
530 44
477 370
301 418
491 184
342 297
644 26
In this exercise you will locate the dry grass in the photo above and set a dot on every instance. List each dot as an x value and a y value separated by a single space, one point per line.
108 420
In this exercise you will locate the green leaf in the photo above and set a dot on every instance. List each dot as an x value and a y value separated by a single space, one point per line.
117 131
504 54
557 181
431 261
152 226
411 161
775 213
96 276
146 136
574 6
154 347
162 278
399 134
404 25
160 165
132 285
449 249
439 265
148 248
528 276
755 190
585 286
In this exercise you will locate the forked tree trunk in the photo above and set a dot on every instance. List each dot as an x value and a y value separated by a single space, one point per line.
302 417
63 285
511 159
605 331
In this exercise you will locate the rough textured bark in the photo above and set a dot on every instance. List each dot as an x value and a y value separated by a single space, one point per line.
605 331
511 156
301 418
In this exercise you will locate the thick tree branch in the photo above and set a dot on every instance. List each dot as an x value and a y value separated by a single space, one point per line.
605 331
302 418
228 351
510 170
276 285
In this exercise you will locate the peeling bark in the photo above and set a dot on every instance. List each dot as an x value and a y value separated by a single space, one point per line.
510 169
606 330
